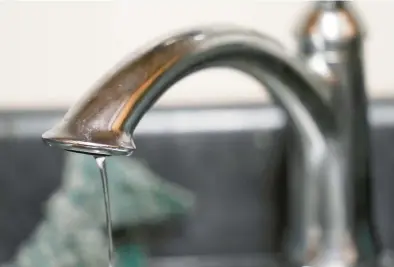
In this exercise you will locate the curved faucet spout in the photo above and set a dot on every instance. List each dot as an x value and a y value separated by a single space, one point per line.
104 121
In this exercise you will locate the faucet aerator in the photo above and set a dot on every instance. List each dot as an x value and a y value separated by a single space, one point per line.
98 143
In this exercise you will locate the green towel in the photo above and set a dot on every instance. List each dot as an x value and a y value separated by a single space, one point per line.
72 232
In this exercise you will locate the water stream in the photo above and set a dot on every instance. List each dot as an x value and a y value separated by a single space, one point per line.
100 160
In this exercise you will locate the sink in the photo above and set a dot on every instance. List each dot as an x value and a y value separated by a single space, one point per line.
234 173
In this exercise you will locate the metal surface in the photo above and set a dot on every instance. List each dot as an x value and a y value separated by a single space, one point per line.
331 43
102 123
319 233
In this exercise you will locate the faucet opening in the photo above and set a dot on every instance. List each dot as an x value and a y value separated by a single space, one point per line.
89 136
111 146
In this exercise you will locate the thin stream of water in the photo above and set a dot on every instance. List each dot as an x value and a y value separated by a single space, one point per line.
100 160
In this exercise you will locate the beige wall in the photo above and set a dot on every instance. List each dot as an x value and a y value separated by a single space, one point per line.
51 52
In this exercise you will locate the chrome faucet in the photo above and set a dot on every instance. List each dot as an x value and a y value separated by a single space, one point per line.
317 90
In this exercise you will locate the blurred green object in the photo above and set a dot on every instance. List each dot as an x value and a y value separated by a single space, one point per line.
72 232
131 255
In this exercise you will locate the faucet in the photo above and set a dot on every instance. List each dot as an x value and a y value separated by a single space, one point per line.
315 89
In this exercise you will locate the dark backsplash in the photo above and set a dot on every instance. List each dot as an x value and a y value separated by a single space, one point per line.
233 175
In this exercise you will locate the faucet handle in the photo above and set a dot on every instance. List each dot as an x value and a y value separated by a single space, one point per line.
327 30
328 23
